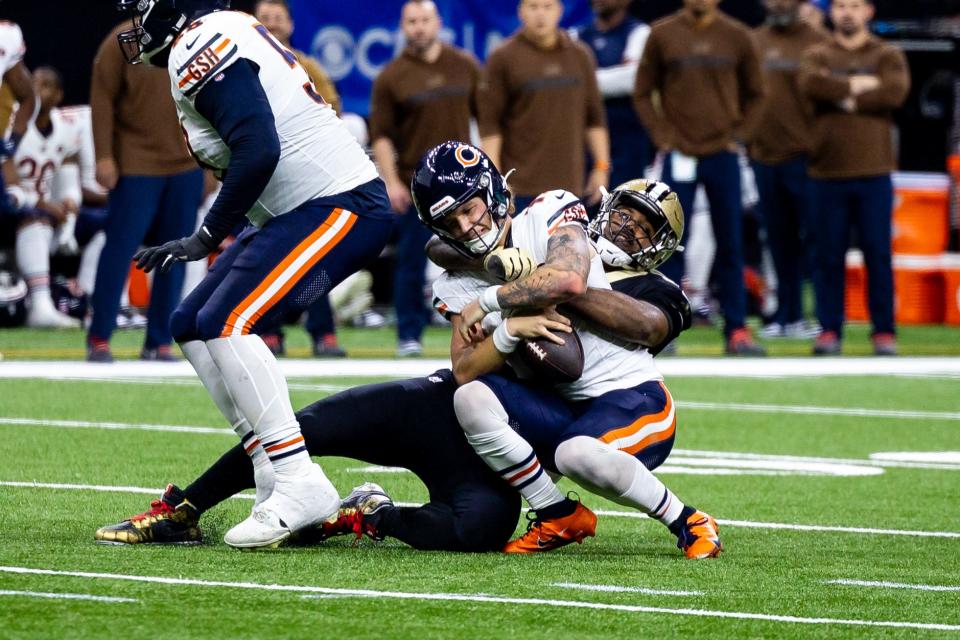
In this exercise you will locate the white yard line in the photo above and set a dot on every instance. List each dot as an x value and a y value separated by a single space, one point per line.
64 596
686 367
858 412
893 585
488 599
610 588
123 426
744 524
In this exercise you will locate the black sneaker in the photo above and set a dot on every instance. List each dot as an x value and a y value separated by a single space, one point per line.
99 351
163 353
170 520
326 348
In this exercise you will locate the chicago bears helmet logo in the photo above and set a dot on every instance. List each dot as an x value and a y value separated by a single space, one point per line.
467 155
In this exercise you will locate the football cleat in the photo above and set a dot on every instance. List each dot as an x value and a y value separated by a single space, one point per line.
700 538
884 344
547 535
741 343
827 344
353 516
170 520
294 504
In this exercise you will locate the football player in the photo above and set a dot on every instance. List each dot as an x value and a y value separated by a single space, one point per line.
470 508
606 430
17 77
318 210
47 206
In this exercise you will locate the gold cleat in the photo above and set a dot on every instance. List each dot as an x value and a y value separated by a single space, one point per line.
170 520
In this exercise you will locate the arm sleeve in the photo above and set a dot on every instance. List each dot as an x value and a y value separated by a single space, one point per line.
816 81
382 116
596 116
248 128
894 85
664 295
492 95
105 84
649 80
752 90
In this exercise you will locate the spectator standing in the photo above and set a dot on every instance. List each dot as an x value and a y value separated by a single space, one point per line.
779 149
422 98
856 82
617 42
704 67
539 103
155 190
275 16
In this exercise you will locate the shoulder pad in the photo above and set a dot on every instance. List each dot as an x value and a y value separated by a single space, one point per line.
201 52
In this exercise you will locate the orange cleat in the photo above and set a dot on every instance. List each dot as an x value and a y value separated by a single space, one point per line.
700 537
547 535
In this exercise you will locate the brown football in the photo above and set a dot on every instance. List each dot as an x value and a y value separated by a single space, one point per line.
550 362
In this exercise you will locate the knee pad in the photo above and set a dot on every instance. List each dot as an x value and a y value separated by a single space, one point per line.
586 459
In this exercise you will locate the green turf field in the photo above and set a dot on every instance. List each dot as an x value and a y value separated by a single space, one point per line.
33 344
871 521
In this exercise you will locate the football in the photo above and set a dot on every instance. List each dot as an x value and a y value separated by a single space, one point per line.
550 362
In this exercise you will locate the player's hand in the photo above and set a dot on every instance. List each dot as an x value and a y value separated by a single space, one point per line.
598 178
107 174
399 196
542 325
166 255
471 315
509 263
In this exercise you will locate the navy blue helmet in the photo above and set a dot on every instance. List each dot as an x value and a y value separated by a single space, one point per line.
157 23
449 175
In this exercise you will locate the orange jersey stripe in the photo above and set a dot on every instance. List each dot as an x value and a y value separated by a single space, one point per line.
284 445
278 271
222 45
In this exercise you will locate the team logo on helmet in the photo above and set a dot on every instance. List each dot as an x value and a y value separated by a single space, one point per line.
467 155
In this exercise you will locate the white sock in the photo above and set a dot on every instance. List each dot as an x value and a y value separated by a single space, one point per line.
199 356
253 379
618 476
87 274
487 427
33 257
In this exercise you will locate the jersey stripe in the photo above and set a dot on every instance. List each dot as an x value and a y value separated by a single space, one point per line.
199 51
213 72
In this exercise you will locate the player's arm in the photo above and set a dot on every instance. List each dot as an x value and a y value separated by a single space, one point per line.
18 78
480 354
237 107
503 263
625 317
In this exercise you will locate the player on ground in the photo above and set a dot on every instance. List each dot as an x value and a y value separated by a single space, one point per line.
471 508
50 145
318 210
605 430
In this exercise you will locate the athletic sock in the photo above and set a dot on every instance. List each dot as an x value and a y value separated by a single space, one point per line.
513 459
681 521
253 380
559 510
651 496
227 476
33 258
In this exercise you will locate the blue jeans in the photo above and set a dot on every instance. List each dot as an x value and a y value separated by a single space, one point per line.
785 205
864 204
144 210
720 176
409 276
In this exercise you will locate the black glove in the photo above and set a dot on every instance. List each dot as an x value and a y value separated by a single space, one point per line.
188 249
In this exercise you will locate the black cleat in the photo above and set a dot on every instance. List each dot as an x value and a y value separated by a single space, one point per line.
353 517
170 520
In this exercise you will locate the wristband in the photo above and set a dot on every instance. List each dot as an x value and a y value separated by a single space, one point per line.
503 341
488 300
601 165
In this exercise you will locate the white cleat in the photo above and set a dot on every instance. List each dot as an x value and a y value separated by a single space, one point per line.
296 503
43 316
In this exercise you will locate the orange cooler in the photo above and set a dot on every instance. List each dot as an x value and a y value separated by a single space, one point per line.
918 289
951 288
920 213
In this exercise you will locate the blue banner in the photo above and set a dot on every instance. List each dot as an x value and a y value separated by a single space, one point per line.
355 40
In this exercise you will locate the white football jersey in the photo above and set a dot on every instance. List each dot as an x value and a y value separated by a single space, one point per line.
12 47
39 157
607 365
318 156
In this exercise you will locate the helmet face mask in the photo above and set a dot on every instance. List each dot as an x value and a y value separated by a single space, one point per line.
448 177
639 226
156 24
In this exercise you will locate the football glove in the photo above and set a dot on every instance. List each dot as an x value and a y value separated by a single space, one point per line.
188 249
509 263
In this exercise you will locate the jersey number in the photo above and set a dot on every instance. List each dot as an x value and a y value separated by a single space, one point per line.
291 60
36 172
